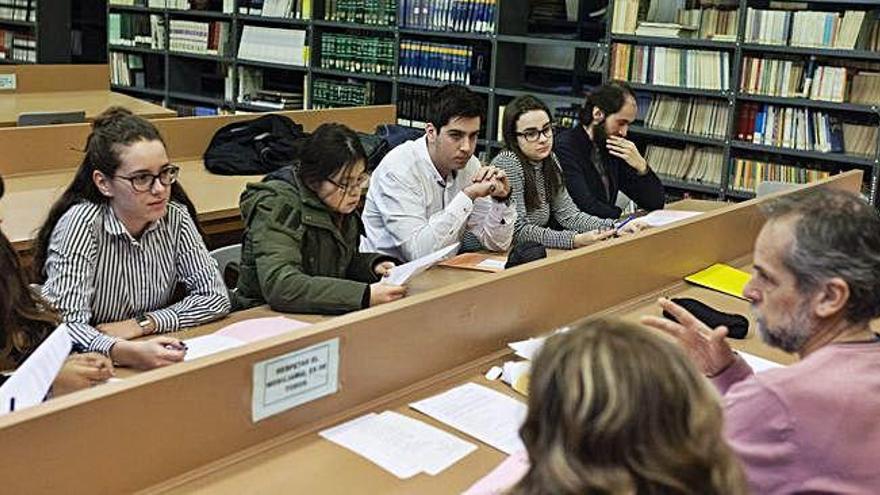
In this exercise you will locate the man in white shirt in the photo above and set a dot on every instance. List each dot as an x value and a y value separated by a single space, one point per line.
431 192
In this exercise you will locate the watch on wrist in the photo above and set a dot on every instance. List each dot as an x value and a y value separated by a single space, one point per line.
146 324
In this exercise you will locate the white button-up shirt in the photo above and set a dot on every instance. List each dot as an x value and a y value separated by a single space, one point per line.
411 210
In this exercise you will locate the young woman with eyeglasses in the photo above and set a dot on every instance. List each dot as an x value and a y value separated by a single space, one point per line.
119 241
302 230
536 180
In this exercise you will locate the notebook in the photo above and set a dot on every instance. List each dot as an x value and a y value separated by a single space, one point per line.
723 278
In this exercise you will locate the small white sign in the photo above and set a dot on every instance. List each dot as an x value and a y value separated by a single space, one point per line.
7 82
287 381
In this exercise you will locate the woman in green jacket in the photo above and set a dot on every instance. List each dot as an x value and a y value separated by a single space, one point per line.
300 246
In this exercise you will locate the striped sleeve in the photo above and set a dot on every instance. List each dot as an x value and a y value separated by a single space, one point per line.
207 298
70 270
570 217
526 228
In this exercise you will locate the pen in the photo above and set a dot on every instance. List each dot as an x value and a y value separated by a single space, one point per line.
623 223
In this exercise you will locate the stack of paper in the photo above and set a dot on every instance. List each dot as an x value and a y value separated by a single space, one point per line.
487 415
659 218
239 334
399 444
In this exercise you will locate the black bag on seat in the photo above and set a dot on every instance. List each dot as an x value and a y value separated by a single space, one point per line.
252 147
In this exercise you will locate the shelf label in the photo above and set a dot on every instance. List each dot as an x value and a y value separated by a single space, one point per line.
293 379
7 82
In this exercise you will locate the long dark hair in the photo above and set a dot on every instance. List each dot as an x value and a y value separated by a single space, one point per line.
114 128
609 97
615 408
331 148
25 318
552 176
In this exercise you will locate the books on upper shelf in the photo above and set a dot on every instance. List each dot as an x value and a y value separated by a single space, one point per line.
697 69
273 45
139 30
327 93
356 53
625 16
790 127
463 16
18 47
694 116
711 23
205 38
18 10
697 164
746 174
462 64
284 9
372 12
805 28
793 79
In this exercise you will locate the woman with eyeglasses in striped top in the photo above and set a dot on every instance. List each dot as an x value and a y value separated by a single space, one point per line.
117 244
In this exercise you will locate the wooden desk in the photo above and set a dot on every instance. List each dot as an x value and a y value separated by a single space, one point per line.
38 162
67 88
92 102
189 427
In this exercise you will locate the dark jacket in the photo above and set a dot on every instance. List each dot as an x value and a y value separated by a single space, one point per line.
574 149
294 256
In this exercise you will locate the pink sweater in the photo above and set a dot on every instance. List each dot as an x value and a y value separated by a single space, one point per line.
813 427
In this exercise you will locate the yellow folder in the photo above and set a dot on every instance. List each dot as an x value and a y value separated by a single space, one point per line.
723 278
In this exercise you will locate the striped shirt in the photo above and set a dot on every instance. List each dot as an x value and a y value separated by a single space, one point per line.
532 225
98 273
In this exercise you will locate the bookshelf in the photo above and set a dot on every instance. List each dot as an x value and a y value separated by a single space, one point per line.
794 154
35 31
556 50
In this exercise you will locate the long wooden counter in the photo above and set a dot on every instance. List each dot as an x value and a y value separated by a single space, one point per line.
189 428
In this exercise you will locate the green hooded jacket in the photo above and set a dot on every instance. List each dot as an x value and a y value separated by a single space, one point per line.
294 256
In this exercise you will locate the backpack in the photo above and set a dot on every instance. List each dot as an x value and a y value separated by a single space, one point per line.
385 139
253 147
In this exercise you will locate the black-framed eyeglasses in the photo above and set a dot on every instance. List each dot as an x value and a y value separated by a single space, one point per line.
143 181
531 135
354 187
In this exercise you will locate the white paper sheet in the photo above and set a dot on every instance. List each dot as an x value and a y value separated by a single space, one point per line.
758 364
401 274
480 412
492 264
31 381
527 349
206 345
659 218
261 328
399 444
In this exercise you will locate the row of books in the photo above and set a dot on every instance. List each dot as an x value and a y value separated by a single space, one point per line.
361 54
187 110
714 24
698 69
285 9
413 105
745 175
793 79
328 93
803 129
206 38
214 5
809 28
18 10
625 17
274 45
373 12
698 164
135 70
695 116
18 47
140 30
464 64
464 16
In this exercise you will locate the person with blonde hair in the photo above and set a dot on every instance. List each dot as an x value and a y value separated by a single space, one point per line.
617 409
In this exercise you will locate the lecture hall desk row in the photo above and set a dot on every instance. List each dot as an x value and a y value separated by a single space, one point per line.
188 428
